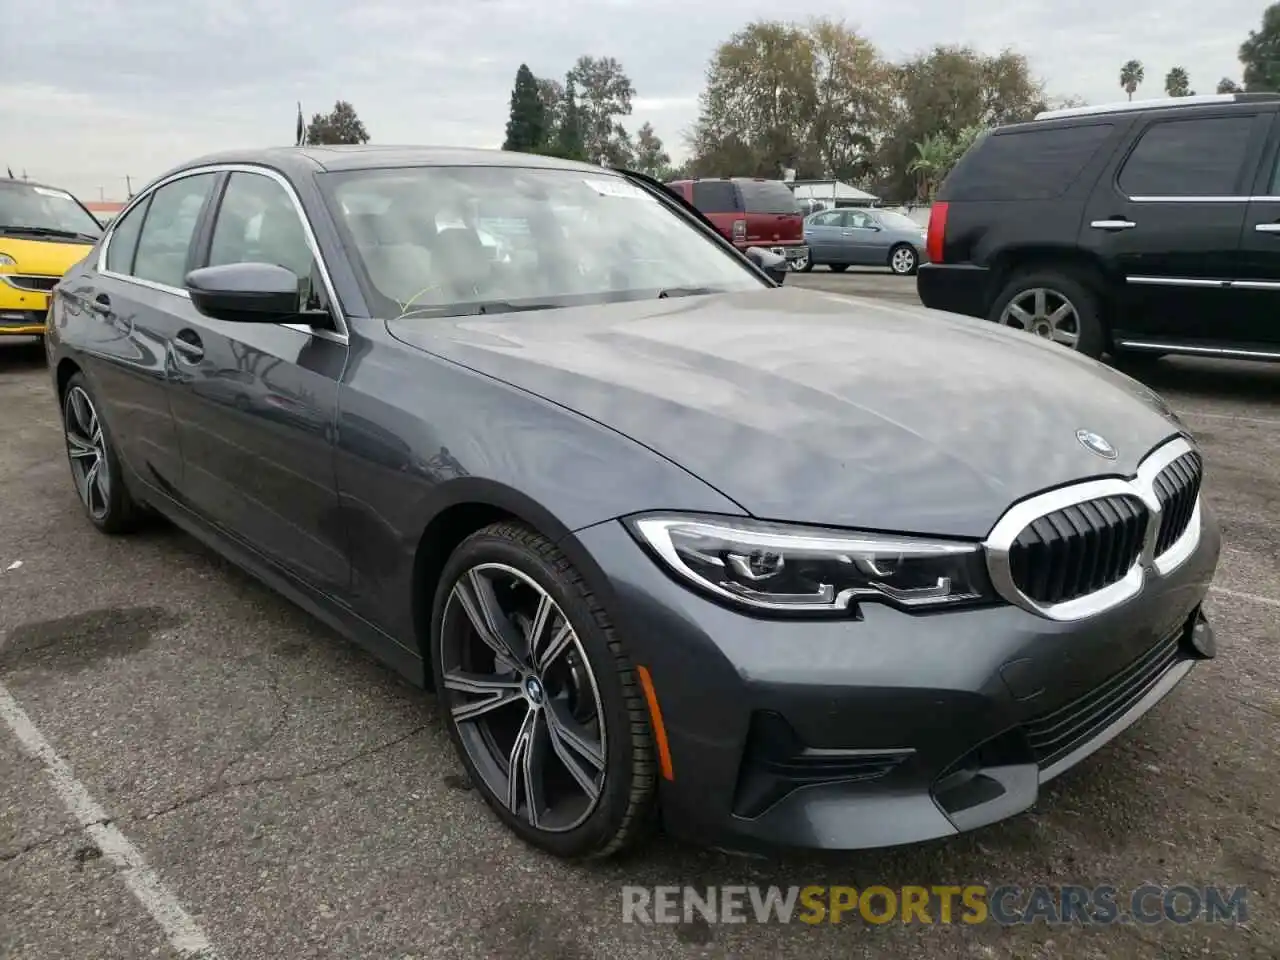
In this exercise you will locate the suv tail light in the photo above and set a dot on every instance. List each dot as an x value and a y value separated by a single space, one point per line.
937 231
739 229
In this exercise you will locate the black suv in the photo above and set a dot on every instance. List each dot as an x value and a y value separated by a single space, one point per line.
1146 228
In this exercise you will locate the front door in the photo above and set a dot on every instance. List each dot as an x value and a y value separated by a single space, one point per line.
863 238
1256 327
255 402
1167 224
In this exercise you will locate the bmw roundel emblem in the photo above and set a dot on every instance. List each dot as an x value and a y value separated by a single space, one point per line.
1096 444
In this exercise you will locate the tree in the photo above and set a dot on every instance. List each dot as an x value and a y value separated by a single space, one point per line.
1131 77
604 93
937 154
1177 83
812 98
1227 85
1260 54
568 142
527 123
945 91
650 155
341 125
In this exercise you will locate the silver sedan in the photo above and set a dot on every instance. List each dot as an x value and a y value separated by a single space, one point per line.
864 237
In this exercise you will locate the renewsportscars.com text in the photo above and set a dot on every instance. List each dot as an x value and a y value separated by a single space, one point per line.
1007 905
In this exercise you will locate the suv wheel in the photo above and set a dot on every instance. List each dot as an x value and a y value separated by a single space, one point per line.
903 260
1055 305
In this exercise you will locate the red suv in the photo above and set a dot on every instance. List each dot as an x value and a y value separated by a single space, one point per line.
751 213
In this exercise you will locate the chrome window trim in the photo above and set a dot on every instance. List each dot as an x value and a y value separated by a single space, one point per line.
1259 198
341 335
1000 540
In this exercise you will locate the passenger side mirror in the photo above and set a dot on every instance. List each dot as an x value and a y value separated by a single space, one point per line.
774 266
245 292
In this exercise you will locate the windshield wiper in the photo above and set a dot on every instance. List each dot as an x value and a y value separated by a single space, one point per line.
48 232
478 309
686 292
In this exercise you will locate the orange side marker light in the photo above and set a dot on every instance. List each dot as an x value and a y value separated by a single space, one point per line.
659 728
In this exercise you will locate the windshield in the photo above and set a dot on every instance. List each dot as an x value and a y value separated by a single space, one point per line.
898 221
24 207
767 196
455 240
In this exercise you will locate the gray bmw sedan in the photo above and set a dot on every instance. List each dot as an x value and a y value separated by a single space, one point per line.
672 543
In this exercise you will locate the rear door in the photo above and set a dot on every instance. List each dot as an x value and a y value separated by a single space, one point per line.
1167 223
1256 327
823 233
138 301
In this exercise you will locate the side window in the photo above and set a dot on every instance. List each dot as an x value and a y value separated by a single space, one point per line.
855 218
715 196
829 219
1188 158
258 223
1036 164
124 240
169 227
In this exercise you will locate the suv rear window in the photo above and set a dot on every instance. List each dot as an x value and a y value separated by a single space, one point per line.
715 196
767 196
1025 164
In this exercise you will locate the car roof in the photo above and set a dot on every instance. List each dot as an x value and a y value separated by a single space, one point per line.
31 183
321 159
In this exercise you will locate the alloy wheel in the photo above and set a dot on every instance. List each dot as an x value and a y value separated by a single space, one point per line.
519 688
799 264
1046 313
903 261
87 449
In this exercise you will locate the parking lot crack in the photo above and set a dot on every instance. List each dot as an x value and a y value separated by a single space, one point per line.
44 841
224 786
278 723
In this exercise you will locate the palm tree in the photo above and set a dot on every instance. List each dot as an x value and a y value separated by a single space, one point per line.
1177 83
933 159
1131 76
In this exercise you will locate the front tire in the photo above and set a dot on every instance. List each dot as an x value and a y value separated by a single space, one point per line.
539 696
95 466
903 260
1058 305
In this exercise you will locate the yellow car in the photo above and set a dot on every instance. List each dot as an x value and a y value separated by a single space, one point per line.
43 233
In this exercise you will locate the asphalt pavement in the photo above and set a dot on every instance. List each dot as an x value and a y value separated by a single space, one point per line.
191 766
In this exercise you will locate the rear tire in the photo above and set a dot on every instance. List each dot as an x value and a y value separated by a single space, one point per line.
580 706
1058 304
95 466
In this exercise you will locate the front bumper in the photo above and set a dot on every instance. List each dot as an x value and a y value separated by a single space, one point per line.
891 728
21 323
796 253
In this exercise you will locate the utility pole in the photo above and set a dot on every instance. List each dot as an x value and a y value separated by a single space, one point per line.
101 194
128 186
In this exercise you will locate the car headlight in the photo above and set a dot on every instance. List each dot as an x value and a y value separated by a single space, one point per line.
7 261
784 568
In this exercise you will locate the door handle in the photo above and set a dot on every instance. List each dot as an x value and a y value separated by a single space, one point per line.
1113 224
188 344
100 304
1268 228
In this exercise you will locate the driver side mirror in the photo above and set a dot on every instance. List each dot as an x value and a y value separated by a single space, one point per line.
247 293
774 266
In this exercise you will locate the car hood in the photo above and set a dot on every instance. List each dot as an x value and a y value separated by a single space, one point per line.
49 258
809 407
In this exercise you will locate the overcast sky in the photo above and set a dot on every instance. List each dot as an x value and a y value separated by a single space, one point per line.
116 87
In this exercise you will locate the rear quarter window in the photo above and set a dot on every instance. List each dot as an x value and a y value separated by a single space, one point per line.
768 196
1026 164
715 196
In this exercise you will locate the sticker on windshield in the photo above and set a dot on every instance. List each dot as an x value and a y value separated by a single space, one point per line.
46 192
616 188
